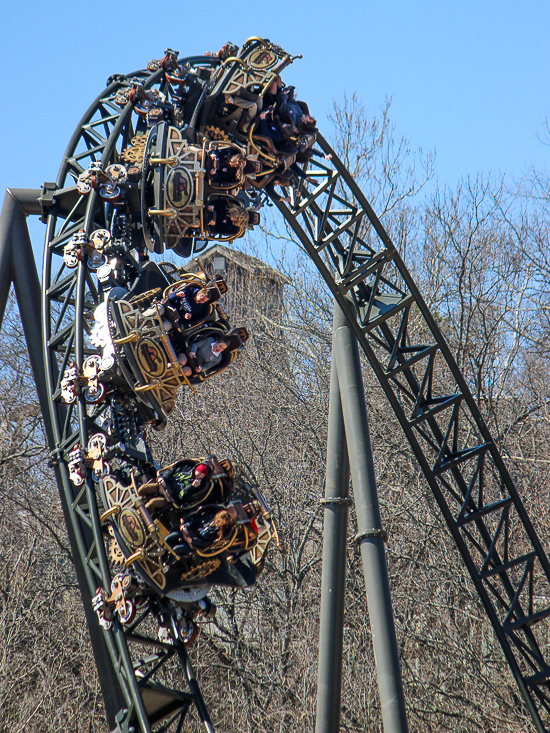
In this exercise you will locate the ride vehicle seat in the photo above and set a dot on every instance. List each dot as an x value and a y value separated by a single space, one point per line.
225 167
152 277
213 527
268 140
225 215
183 312
186 483
190 482
175 309
236 340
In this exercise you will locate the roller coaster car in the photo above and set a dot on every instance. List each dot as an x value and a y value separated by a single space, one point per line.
247 78
174 537
146 353
174 190
246 86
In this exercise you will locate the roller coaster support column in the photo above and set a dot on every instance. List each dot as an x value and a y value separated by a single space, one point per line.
18 266
336 501
370 535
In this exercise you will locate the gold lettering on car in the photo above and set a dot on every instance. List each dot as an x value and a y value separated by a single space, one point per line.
150 358
262 59
131 528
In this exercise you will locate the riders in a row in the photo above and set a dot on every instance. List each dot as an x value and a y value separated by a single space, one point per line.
199 495
184 308
281 129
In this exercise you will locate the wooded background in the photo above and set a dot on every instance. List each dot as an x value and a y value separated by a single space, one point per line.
481 259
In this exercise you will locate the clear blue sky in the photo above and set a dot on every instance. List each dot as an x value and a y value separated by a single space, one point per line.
468 79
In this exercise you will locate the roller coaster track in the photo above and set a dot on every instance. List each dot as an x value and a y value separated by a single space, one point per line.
339 231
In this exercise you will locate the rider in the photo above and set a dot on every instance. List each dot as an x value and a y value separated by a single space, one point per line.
211 525
208 352
203 528
224 166
190 301
225 217
185 481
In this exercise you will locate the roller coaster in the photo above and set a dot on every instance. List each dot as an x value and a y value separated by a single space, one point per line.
175 157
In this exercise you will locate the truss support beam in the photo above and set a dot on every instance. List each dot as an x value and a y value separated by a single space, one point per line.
18 266
370 535
438 414
333 582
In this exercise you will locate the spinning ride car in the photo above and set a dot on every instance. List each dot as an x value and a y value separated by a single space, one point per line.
196 177
249 104
151 350
199 522
145 344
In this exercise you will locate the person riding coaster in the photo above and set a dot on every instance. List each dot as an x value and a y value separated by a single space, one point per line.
207 350
228 166
225 218
197 519
277 123
278 141
189 302
240 84
211 516
189 482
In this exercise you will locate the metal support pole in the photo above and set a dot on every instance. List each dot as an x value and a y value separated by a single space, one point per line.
18 266
333 582
370 535
194 688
